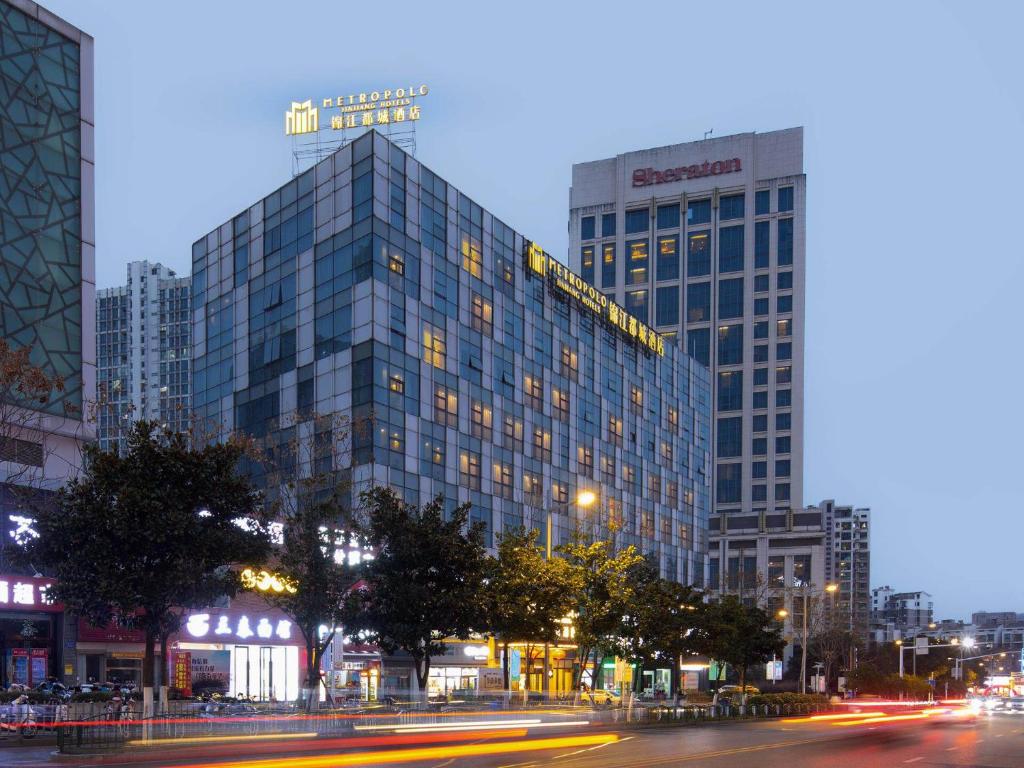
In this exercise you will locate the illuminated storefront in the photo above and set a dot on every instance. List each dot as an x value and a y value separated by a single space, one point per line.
463 669
31 629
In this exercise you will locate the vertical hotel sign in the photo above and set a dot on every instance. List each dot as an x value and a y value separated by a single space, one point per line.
568 283
355 110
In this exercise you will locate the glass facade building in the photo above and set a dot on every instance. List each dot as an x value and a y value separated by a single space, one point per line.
705 240
143 348
370 287
47 235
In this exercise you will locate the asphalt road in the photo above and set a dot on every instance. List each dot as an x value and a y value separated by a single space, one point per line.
989 742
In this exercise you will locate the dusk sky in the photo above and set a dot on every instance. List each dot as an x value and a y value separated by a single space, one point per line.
913 117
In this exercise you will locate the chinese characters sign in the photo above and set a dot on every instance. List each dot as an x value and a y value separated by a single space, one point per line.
572 285
27 592
183 672
237 626
355 110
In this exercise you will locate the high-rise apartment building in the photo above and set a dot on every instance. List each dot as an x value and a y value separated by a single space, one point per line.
900 615
705 241
848 565
143 343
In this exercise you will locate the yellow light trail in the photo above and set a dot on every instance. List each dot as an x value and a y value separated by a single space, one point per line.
416 754
821 718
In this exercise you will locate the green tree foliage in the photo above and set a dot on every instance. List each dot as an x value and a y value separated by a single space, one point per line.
603 593
323 586
660 623
426 578
740 635
525 594
142 535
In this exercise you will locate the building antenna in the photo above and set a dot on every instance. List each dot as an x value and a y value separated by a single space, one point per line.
708 132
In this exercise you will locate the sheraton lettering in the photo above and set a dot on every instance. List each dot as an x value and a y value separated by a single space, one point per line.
644 177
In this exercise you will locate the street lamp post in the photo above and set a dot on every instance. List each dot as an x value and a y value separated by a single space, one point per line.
583 500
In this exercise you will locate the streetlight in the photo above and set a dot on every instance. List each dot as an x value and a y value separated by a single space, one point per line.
583 500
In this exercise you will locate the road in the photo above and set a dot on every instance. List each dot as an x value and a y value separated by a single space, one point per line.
989 742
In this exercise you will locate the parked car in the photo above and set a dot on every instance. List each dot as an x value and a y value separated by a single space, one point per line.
602 698
734 692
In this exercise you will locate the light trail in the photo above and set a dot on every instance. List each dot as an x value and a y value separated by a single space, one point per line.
417 754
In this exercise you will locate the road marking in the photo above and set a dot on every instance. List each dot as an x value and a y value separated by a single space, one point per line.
914 759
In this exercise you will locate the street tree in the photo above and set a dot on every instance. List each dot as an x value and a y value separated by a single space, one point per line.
602 595
525 594
138 537
425 581
660 623
740 635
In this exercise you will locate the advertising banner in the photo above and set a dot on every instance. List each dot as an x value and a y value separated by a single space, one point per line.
211 670
183 672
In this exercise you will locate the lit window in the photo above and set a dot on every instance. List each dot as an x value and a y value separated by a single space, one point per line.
570 362
396 263
560 404
396 383
472 260
614 430
533 389
482 315
481 418
434 346
469 470
636 397
446 407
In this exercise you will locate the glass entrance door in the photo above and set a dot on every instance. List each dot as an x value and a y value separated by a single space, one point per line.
240 673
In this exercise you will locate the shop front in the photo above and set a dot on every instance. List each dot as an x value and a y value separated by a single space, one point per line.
247 650
352 671
459 672
111 654
31 631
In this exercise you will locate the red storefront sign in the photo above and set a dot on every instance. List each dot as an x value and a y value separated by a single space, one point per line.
183 672
644 177
112 633
27 593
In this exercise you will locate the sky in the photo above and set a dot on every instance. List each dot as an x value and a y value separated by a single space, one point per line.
913 115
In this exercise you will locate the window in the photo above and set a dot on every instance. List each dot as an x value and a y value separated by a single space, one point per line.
785 199
636 398
760 307
729 486
668 216
533 489
587 263
636 305
783 421
607 225
730 344
698 302
760 353
434 346
560 404
569 362
784 304
698 254
760 283
533 391
785 242
759 423
614 430
730 437
761 329
472 260
587 228
762 244
396 262
666 307
762 202
446 406
783 398
730 390
666 451
784 350
783 374
782 491
730 207
782 444
783 328
542 444
760 377
698 345
636 263
637 221
730 249
585 460
502 480
760 400
785 281
512 432
481 419
759 446
396 383
672 415
730 298
608 265
698 212
759 492
759 470
482 315
469 470
668 258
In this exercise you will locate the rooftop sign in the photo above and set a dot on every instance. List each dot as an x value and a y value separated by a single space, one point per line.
567 282
644 177
355 110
